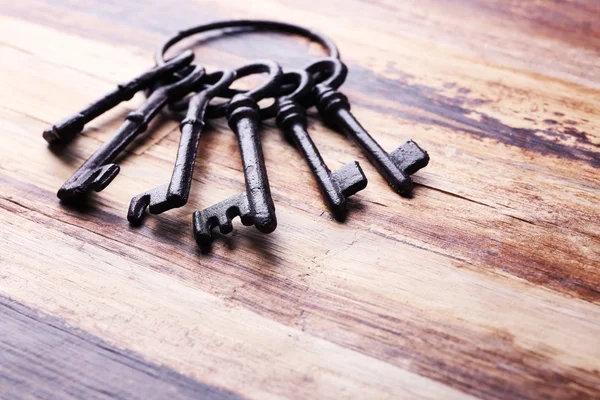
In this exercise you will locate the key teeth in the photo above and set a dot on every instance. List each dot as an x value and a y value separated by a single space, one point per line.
156 201
162 200
350 178
97 180
137 208
221 215
203 227
225 226
409 157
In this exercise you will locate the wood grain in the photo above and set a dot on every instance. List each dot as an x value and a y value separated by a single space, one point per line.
44 358
484 284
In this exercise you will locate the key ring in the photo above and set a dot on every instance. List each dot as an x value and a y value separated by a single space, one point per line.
335 70
301 80
328 71
256 25
294 85
170 83
266 89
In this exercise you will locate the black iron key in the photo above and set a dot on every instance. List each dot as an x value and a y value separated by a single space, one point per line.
69 127
254 206
291 119
98 171
176 192
397 166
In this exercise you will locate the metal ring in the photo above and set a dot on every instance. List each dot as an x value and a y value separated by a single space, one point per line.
298 82
335 70
215 111
266 89
327 71
219 81
301 80
260 25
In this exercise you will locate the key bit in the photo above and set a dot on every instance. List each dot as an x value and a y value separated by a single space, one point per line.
255 205
99 170
69 127
175 194
397 166
291 119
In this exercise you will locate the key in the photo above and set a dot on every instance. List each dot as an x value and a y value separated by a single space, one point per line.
291 120
175 194
397 166
255 205
99 170
69 127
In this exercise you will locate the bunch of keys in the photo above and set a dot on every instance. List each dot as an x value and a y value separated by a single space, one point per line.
182 86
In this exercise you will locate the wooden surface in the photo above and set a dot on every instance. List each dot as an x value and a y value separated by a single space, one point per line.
45 358
485 284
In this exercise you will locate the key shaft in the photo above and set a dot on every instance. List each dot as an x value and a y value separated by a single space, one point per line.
254 206
335 108
99 170
244 120
335 187
176 192
68 128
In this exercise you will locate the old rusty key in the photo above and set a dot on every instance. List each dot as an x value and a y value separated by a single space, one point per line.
175 193
397 166
292 121
98 171
255 205
66 129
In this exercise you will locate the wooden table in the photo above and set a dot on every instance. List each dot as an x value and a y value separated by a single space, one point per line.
485 284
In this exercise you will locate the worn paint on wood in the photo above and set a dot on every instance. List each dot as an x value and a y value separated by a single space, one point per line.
485 284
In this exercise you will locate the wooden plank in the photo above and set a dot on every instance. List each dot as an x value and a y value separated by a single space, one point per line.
171 321
42 357
331 299
484 284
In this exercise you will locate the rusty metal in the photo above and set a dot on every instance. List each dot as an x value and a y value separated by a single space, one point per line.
254 206
253 25
291 119
241 26
175 194
69 127
334 107
183 86
99 170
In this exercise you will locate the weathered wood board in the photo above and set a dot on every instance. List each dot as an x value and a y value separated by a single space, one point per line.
486 283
